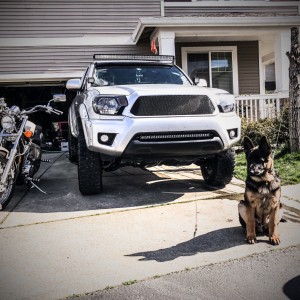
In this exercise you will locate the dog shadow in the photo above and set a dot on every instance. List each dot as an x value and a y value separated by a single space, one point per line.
292 288
213 241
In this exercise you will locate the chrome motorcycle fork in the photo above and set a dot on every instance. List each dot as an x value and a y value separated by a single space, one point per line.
12 153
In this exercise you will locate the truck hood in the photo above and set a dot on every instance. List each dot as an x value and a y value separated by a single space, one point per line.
157 89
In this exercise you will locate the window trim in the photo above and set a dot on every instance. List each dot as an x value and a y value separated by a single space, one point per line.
233 49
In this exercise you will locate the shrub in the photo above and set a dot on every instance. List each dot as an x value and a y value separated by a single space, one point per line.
273 129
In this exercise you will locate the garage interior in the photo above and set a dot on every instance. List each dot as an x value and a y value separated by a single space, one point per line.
28 95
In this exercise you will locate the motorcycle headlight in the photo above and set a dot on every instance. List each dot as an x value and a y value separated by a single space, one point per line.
7 123
109 105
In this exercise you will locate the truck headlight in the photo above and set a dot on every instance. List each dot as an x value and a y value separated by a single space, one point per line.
8 123
226 107
226 103
109 105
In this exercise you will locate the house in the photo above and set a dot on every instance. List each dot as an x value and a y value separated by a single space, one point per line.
239 46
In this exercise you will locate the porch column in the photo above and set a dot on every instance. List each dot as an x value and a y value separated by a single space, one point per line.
166 42
282 44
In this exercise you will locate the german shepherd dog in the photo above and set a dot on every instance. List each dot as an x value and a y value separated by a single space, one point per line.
259 211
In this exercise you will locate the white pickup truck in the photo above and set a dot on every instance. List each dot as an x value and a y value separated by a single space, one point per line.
144 110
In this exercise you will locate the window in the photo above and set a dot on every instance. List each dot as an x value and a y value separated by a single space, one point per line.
270 82
138 74
221 70
217 65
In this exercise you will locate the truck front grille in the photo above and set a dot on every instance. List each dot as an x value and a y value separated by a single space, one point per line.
173 105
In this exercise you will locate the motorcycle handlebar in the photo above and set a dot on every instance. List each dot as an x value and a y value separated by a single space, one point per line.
42 107
56 111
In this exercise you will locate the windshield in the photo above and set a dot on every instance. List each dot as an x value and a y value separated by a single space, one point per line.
138 74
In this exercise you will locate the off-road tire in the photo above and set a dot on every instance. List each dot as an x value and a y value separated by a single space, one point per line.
218 170
72 143
89 168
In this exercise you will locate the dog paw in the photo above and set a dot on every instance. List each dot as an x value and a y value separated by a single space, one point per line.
274 239
251 239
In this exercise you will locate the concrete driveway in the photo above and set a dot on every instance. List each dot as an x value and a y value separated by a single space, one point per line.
144 224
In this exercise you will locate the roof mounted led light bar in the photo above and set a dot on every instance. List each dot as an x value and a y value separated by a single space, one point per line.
169 59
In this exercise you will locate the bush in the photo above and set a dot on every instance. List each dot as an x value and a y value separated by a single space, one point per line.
273 129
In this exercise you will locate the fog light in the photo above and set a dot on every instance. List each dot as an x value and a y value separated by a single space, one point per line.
232 134
104 138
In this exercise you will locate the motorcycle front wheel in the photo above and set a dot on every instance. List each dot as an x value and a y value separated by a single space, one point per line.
9 186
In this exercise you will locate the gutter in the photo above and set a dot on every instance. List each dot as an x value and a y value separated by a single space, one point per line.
208 21
28 79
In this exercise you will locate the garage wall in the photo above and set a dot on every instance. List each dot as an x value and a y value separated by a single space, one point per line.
59 59
71 18
59 37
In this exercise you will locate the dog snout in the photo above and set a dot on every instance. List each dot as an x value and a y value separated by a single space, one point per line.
256 169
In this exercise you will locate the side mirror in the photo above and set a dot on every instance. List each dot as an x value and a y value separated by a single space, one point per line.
59 98
73 84
201 82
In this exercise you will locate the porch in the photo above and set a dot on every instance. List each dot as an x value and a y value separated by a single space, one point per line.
239 46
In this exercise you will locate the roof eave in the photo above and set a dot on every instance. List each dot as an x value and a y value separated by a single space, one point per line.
254 21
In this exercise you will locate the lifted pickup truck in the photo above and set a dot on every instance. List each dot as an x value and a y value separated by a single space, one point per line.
143 111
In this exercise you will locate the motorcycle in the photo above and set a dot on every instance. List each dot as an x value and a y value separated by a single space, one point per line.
20 151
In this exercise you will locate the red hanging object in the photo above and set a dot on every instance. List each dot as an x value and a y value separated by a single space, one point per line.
153 47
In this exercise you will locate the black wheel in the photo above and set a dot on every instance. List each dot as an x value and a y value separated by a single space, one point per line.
218 170
72 143
7 191
89 168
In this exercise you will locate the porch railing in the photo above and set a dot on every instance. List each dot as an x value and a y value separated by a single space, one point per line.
255 107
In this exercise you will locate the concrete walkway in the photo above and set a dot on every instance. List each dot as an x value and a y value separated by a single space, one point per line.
144 224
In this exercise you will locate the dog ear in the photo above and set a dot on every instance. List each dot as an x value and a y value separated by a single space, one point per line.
248 144
264 146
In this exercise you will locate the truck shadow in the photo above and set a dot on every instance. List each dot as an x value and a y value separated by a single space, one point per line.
213 241
131 187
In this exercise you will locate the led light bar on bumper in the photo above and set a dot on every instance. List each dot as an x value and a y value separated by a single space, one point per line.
109 105
175 136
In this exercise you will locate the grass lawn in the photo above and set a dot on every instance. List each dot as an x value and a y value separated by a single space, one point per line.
287 166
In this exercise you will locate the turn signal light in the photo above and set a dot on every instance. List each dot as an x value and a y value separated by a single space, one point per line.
28 133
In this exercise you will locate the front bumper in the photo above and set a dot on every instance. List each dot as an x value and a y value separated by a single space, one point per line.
126 129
